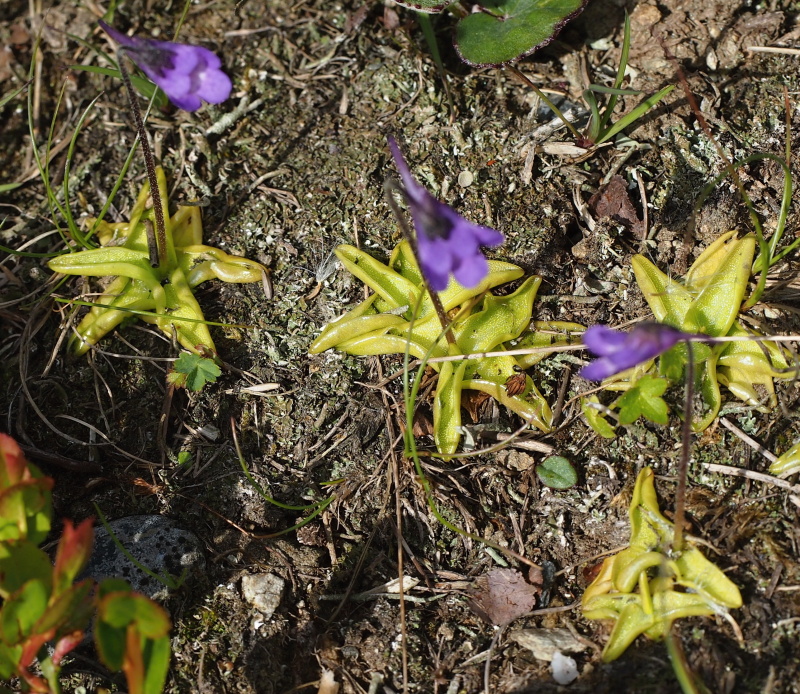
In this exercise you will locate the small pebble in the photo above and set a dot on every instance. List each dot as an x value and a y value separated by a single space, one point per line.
465 179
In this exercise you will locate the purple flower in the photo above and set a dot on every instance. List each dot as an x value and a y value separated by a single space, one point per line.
618 351
188 74
446 242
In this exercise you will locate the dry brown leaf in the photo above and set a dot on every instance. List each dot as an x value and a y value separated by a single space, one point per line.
471 401
613 201
503 595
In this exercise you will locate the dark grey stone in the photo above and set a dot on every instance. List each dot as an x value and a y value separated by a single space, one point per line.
156 542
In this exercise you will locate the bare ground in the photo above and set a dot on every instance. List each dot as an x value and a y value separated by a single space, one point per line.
318 87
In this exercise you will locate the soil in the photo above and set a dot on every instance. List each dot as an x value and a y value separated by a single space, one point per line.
294 164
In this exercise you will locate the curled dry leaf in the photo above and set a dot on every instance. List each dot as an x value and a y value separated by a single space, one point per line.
503 595
613 201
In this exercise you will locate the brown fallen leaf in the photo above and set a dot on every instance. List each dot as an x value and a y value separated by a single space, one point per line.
503 595
471 401
612 201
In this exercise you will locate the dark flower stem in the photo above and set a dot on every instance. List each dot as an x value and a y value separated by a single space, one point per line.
160 240
686 449
389 189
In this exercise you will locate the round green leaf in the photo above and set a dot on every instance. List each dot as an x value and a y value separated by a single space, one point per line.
511 29
557 472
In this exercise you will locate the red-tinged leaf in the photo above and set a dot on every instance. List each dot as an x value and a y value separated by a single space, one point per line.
13 466
156 654
73 552
133 665
125 621
9 657
35 684
121 609
31 648
25 504
25 510
22 610
66 644
110 643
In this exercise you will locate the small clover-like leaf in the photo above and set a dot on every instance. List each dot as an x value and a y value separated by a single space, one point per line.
193 371
644 400
557 472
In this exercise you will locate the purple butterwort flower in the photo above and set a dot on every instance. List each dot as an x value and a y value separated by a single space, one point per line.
618 351
188 74
446 242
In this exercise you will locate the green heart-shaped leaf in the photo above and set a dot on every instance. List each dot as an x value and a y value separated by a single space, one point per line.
511 29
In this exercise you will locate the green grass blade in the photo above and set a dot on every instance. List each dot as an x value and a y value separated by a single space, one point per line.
623 64
82 239
635 114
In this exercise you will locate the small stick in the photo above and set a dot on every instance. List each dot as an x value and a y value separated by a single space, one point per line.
686 450
161 233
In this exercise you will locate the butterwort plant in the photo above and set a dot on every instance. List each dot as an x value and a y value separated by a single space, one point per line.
188 75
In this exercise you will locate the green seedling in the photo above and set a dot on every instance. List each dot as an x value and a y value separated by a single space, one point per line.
41 604
193 371
600 128
162 295
387 323
649 585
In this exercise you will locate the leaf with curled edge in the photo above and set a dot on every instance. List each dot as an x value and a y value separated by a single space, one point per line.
507 30
503 595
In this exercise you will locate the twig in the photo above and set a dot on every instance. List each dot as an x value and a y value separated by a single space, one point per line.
755 445
752 475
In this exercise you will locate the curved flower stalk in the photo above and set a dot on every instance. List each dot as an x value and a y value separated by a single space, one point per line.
138 286
483 322
447 244
187 74
647 586
707 303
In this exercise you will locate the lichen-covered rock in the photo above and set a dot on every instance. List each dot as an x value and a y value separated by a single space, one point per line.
156 542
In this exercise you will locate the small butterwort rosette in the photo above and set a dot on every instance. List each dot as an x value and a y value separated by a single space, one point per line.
447 243
619 351
188 75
